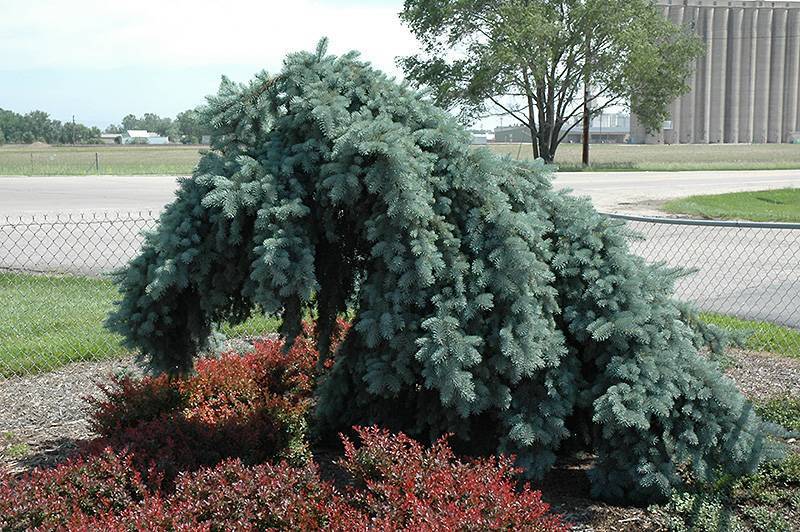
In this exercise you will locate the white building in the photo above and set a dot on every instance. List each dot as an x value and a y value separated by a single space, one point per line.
141 136
111 138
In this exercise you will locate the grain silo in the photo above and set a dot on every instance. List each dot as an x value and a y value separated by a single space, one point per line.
746 87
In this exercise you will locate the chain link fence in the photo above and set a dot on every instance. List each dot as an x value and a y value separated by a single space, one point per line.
745 276
55 287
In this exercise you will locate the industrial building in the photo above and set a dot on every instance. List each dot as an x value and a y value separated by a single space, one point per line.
746 88
605 128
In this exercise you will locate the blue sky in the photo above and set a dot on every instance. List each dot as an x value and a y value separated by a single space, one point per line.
100 60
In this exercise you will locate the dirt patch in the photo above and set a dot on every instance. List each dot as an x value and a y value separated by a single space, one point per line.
566 488
642 208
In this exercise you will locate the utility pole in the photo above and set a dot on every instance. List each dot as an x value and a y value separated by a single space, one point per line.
73 130
586 80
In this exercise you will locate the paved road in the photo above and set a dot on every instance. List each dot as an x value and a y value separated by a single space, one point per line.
611 191
747 272
25 196
640 192
82 225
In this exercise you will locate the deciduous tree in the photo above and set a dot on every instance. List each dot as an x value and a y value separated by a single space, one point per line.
531 59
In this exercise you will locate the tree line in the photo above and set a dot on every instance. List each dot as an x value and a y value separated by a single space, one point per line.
38 126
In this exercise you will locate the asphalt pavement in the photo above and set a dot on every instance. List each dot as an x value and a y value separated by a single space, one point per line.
610 191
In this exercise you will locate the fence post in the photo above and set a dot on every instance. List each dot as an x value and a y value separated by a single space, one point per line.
97 162
31 164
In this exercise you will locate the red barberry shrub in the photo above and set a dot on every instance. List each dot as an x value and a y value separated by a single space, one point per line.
233 496
397 485
253 406
403 486
126 402
262 497
175 443
85 487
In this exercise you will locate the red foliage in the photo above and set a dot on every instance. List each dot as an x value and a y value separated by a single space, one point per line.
48 498
128 402
251 406
232 496
398 485
404 486
185 449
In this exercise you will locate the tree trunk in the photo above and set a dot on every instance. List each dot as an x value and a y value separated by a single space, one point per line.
534 143
547 146
548 153
586 122
531 122
585 153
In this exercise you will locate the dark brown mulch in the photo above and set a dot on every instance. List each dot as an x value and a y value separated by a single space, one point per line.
566 487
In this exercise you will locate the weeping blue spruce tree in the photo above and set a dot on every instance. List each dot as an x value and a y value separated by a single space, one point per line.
484 303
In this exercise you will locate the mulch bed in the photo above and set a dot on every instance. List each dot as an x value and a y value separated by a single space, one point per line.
44 416
762 375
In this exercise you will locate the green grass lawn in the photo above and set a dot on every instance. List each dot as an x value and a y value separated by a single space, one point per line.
760 335
49 321
782 205
180 160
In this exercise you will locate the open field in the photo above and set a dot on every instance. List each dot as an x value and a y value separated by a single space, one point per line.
112 160
676 157
49 321
782 205
180 160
